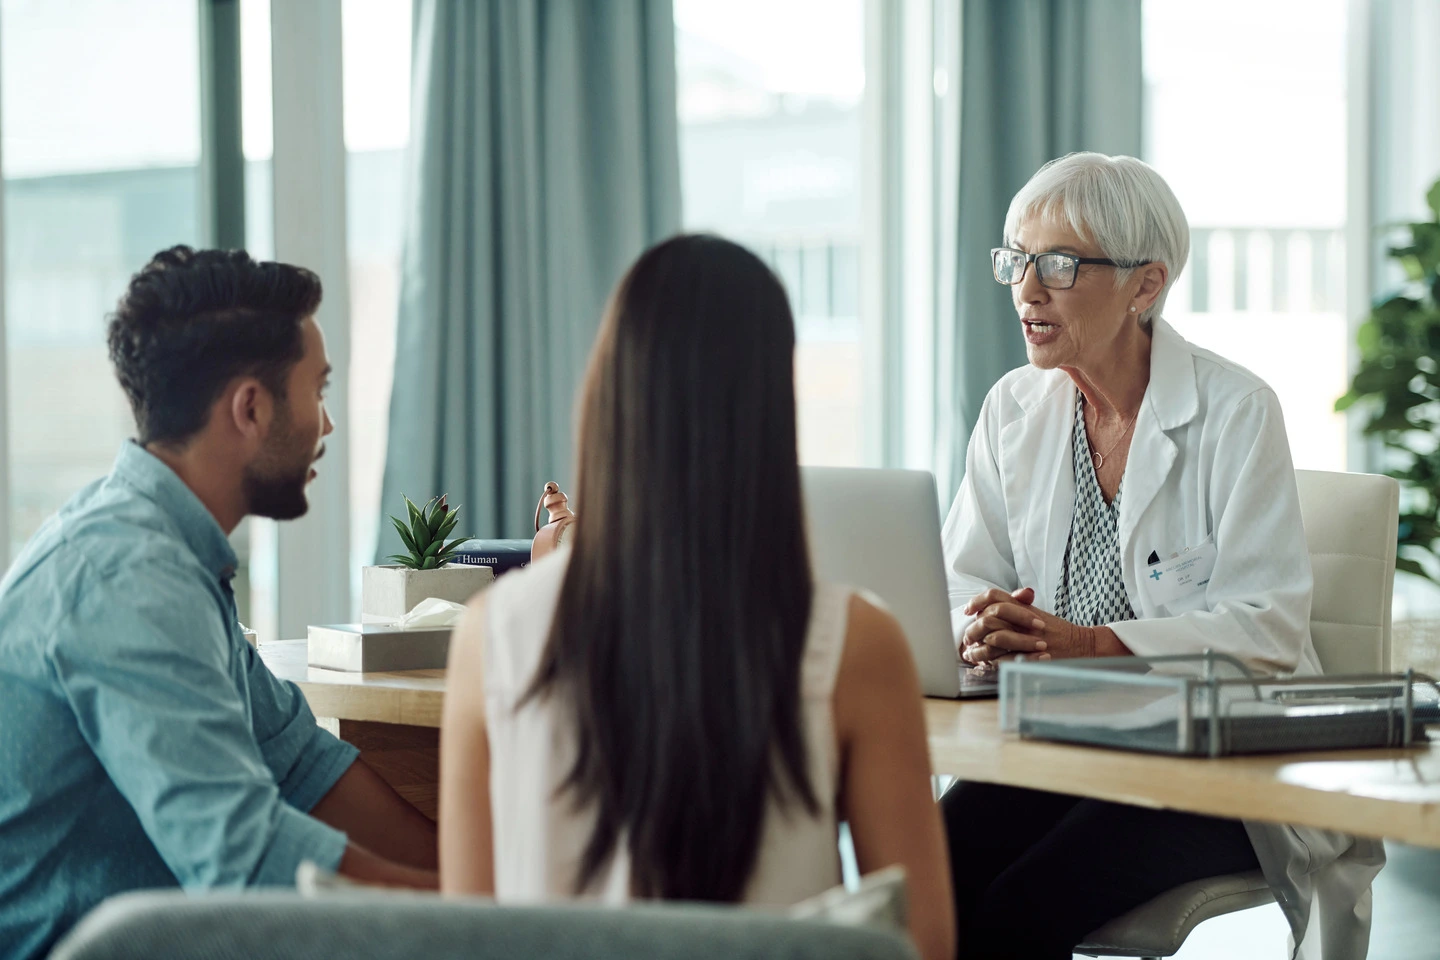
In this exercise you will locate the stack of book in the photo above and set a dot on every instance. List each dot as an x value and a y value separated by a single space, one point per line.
500 555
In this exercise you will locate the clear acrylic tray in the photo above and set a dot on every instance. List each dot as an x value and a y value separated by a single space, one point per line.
1211 705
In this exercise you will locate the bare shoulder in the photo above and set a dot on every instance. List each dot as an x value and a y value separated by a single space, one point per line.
470 631
475 609
876 666
465 667
873 637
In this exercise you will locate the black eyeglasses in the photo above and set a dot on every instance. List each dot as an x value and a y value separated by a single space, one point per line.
1056 270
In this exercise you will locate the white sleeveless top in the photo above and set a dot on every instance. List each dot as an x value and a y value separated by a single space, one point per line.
540 838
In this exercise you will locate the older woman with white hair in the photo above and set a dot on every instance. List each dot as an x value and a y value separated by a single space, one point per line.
1118 455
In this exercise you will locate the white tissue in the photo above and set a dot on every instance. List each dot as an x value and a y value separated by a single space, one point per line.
432 612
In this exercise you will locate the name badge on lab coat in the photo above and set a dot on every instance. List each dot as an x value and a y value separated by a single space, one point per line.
1169 580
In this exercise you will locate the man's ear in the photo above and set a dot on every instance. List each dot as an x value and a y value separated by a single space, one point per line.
251 408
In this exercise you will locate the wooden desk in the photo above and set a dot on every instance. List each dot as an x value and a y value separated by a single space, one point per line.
394 718
411 697
1383 793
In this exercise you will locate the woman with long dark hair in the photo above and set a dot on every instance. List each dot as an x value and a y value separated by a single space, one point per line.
670 707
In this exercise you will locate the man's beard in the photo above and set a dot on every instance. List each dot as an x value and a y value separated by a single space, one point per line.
275 482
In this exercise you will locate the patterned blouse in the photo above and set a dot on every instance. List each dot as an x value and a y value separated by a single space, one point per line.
1091 592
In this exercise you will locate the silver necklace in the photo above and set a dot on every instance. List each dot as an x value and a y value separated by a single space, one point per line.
1099 457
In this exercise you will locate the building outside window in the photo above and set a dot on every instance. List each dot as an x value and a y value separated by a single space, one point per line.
101 146
770 157
1250 133
377 130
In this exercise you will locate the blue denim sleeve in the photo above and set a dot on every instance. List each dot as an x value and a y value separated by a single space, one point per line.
306 760
144 661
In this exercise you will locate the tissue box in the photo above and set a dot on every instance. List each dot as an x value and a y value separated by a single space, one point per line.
374 647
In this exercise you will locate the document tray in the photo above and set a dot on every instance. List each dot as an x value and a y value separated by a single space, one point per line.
1211 705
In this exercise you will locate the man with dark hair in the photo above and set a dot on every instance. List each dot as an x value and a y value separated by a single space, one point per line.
142 741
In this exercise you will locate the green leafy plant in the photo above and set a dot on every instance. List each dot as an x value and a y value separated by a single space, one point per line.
1399 383
424 536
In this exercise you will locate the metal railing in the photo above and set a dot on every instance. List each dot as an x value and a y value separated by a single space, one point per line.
1262 270
822 277
1275 270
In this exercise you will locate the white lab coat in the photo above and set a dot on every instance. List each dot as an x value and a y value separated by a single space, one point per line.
1208 459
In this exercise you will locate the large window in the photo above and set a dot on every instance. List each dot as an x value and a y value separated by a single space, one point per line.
376 57
770 156
256 538
377 130
102 141
376 60
101 144
1245 117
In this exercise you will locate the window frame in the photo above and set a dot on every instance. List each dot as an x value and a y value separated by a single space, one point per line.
5 504
313 582
908 121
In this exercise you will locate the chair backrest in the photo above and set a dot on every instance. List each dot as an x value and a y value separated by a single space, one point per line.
372 925
1350 526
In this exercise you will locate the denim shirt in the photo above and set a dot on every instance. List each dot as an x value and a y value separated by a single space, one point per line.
142 741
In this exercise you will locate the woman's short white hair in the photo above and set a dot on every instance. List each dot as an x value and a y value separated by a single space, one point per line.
1118 203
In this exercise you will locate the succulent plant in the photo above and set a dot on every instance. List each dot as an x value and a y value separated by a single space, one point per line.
424 536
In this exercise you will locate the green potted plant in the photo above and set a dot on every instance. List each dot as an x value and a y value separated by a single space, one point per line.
389 591
1398 384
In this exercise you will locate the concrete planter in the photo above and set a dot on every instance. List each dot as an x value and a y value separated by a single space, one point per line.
391 591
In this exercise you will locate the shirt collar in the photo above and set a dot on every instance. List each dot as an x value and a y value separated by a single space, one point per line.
155 481
1173 391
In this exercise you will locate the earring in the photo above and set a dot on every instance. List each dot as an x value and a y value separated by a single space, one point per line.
1132 309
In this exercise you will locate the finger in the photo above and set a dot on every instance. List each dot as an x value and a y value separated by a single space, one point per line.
983 600
991 666
990 658
996 595
1014 615
985 655
1015 642
982 626
975 633
979 654
976 655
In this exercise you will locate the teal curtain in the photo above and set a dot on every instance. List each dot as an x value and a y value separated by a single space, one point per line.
1039 79
543 159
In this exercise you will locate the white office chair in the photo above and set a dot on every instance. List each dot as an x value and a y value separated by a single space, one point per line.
1350 526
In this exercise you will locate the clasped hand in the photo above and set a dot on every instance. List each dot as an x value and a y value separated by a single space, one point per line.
1007 624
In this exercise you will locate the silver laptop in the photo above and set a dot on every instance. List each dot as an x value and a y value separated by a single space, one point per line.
880 530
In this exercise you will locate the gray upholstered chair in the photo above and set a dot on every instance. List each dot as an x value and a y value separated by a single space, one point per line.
1350 525
281 925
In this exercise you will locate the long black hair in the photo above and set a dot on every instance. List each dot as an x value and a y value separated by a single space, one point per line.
679 632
